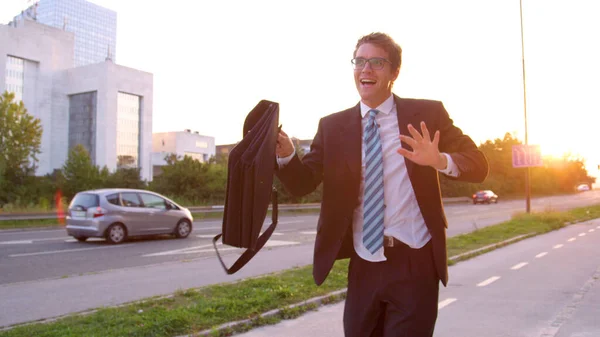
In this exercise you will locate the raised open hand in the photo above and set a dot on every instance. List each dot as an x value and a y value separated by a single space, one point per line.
424 150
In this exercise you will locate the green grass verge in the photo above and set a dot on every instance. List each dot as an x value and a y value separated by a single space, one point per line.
194 310
520 224
34 223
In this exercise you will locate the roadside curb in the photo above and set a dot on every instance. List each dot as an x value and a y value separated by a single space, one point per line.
288 312
314 303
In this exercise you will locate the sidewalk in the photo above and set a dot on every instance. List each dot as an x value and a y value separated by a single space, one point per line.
325 321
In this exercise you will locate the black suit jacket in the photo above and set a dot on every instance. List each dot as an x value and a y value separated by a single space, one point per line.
335 160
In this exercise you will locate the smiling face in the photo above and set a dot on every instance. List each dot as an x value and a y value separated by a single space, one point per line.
374 86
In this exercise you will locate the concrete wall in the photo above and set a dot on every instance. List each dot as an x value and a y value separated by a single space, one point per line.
181 143
49 79
45 50
108 79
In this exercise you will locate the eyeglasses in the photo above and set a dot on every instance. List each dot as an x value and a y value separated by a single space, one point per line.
376 63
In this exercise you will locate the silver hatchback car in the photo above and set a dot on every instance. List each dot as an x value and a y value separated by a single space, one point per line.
118 213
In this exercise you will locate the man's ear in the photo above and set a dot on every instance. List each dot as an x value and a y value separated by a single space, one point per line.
396 73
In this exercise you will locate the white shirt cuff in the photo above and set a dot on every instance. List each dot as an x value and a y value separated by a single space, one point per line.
451 169
285 160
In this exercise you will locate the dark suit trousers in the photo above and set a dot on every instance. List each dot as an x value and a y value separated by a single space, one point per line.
394 298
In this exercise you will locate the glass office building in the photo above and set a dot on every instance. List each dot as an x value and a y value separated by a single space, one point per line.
94 27
128 130
14 76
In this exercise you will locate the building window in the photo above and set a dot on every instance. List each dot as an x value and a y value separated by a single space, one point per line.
201 144
15 79
82 122
128 130
196 156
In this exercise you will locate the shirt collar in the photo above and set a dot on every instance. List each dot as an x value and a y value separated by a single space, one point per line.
385 107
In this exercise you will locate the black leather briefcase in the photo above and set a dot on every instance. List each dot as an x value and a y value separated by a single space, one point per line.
250 171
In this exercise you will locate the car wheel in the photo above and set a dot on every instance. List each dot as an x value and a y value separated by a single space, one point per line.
474 202
81 238
116 233
183 229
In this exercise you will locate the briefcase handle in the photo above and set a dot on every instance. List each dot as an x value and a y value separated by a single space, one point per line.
260 241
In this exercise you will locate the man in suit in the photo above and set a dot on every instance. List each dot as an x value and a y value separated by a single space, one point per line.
381 205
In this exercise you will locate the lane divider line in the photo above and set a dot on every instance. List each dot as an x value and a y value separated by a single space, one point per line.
16 242
68 250
541 255
519 265
446 303
488 281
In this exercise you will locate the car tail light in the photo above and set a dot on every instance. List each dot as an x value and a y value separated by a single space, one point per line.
474 196
98 212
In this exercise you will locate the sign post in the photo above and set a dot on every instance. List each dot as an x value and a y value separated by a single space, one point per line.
527 156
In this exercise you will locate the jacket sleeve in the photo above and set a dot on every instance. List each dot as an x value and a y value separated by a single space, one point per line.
302 176
471 162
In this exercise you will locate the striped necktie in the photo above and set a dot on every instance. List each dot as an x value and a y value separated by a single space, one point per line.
373 203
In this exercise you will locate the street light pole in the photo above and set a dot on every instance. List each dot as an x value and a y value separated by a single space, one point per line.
528 172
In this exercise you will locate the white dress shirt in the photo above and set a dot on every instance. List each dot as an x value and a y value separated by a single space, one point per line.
402 216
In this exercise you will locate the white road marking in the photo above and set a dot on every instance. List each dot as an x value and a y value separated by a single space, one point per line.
205 228
591 230
88 240
209 222
206 236
598 227
52 239
446 302
541 255
309 233
558 246
581 234
66 251
572 239
200 249
289 222
488 281
519 265
16 242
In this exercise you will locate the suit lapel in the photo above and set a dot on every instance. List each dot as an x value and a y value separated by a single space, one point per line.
406 115
351 134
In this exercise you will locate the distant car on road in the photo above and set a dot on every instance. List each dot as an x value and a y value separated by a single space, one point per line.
485 197
583 187
116 214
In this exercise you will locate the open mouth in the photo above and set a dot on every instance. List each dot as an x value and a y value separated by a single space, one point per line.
366 82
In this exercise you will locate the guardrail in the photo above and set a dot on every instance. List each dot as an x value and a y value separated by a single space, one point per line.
194 209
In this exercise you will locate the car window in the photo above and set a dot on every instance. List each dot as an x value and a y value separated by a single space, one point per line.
153 201
113 199
130 199
85 200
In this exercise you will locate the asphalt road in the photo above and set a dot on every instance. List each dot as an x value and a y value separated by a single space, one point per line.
35 255
45 273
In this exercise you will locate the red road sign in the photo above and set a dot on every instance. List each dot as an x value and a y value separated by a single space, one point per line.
526 156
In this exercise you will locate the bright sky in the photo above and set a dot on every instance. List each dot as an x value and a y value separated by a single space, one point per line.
214 60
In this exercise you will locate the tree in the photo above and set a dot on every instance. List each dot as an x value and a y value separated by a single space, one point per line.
191 181
126 178
20 142
80 174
